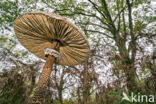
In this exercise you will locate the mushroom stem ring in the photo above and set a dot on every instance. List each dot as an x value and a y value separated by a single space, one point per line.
52 52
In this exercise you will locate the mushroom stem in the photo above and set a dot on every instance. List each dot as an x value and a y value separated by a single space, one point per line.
46 72
43 81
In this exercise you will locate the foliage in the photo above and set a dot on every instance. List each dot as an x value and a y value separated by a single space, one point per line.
9 11
120 32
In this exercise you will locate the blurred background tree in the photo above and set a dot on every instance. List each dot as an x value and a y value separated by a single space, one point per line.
122 37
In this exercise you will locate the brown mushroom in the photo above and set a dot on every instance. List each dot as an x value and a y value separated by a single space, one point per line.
50 35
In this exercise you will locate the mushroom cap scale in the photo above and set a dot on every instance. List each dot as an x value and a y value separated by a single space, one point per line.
37 31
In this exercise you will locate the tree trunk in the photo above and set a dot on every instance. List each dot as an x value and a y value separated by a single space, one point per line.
85 84
128 64
60 96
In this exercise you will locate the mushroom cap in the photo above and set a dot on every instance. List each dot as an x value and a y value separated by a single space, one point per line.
37 31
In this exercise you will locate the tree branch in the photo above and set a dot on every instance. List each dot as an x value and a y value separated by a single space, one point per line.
119 13
99 33
130 16
118 27
94 24
72 13
109 19
96 7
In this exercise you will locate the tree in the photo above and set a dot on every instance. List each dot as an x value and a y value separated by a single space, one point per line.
116 20
120 33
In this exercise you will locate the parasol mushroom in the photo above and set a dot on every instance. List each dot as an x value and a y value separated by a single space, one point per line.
53 38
